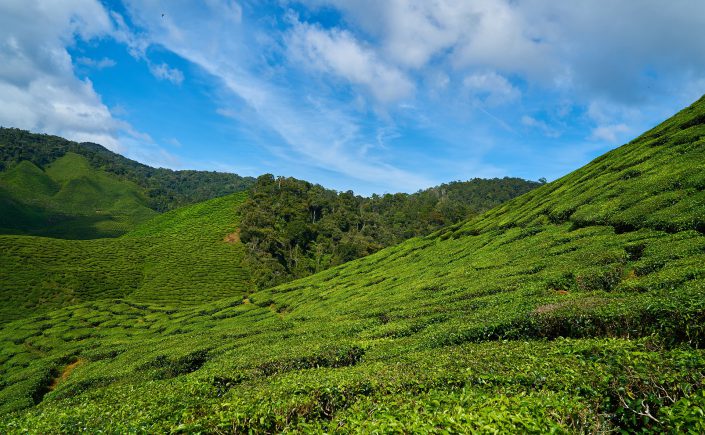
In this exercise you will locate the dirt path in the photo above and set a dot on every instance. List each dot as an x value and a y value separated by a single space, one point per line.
65 373
233 237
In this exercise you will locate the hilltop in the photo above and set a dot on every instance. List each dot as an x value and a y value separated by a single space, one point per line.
577 307
189 255
53 187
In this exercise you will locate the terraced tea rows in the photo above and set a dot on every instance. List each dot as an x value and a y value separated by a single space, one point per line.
574 308
69 200
178 258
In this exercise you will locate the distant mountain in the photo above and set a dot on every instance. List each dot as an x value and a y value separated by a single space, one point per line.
164 189
53 187
578 307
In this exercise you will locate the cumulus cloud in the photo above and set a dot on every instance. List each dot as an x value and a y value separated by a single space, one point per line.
37 84
619 71
483 33
569 43
337 52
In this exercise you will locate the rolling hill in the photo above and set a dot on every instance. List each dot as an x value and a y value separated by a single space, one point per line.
177 258
70 200
53 187
293 228
577 307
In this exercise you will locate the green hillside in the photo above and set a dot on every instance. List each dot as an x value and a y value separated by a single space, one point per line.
69 199
293 228
578 307
164 189
178 258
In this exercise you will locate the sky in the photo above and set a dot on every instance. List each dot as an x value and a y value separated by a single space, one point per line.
364 95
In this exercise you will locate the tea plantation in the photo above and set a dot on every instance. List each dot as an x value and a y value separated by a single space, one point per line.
578 307
178 258
70 199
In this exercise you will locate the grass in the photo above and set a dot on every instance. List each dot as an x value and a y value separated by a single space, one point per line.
578 307
178 258
69 199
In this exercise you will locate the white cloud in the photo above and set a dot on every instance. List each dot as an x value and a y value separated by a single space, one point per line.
491 88
611 120
97 64
610 133
485 34
38 88
316 131
629 55
546 129
162 71
338 52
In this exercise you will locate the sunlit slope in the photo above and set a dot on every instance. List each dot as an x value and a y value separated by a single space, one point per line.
195 253
180 257
69 199
656 181
526 319
609 249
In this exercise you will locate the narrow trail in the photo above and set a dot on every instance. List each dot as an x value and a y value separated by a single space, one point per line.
65 373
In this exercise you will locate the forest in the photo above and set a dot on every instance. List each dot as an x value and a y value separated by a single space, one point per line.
293 228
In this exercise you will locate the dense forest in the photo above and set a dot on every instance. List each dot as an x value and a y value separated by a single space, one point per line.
165 189
293 228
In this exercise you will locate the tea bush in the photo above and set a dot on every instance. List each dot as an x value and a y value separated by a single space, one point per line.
551 313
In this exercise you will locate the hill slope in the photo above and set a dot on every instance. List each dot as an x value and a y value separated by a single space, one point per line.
70 200
293 228
548 313
178 258
164 189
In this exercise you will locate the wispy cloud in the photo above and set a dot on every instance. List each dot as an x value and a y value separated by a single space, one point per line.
96 63
163 71
542 126
491 88
317 132
337 52
391 95
609 133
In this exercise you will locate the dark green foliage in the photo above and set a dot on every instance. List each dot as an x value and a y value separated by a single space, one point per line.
293 228
576 308
163 367
329 357
165 189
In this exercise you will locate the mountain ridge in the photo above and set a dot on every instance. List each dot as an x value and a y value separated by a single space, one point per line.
165 188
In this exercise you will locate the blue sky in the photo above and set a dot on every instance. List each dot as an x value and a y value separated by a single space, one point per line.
364 95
